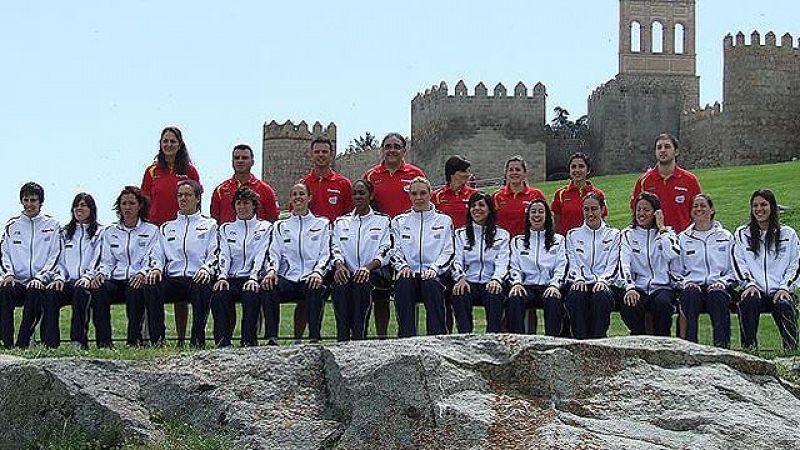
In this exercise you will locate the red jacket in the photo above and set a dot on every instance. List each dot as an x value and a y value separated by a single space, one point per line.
391 189
452 203
331 195
675 192
160 184
568 205
511 207
222 200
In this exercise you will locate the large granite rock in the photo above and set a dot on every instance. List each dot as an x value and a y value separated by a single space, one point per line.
457 392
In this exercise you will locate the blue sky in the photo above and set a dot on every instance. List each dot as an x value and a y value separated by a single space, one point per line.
87 86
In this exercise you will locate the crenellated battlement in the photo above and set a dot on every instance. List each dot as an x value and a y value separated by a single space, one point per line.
708 112
441 91
288 130
741 42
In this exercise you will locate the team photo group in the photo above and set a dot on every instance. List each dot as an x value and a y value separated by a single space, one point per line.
390 238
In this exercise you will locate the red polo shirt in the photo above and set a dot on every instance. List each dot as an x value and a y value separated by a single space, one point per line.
568 205
160 185
675 192
453 203
391 188
511 207
222 199
331 195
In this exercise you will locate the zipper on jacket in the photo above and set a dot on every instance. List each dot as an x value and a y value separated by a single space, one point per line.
649 263
358 241
30 260
538 244
80 252
185 255
594 246
482 243
128 253
705 257
300 246
421 217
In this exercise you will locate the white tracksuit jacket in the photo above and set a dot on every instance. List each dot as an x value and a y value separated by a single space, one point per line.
423 240
124 252
79 254
645 257
30 247
359 240
479 263
767 270
537 265
185 245
705 257
239 245
301 245
593 254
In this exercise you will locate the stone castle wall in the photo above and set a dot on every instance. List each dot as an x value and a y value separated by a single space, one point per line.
558 152
353 165
485 129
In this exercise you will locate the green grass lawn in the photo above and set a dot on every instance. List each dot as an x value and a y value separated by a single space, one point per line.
729 187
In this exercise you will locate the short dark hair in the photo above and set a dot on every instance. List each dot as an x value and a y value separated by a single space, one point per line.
245 193
144 202
454 164
243 147
596 197
32 188
322 141
397 135
197 188
583 156
669 136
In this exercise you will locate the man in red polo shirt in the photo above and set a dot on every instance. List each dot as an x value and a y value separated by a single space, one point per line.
222 198
674 186
331 192
390 180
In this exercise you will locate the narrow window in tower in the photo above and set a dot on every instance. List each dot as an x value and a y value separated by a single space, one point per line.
679 39
657 44
636 37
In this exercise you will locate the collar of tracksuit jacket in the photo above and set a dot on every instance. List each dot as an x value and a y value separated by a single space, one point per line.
594 254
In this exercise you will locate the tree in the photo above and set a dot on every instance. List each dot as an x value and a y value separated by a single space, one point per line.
363 143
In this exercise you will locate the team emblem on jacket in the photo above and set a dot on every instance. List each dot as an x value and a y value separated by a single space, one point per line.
679 199
333 199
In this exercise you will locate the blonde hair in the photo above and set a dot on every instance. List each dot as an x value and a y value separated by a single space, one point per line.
422 180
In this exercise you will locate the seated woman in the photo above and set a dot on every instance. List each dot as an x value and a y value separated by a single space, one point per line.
181 265
704 272
593 253
238 245
765 259
80 248
480 265
537 271
647 249
121 270
360 245
296 263
423 253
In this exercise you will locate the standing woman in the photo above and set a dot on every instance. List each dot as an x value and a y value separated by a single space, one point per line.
480 265
512 200
360 244
80 248
537 271
648 247
704 272
160 185
296 263
452 198
765 259
122 266
423 239
181 265
593 254
567 205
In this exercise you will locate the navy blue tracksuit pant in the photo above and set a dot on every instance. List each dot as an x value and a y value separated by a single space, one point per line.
659 304
112 292
31 301
288 291
222 311
178 290
80 299
407 292
351 306
783 312
478 295
589 312
534 296
717 303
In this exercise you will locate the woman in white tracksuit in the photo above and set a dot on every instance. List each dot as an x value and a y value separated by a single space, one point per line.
360 243
423 253
295 265
704 272
647 249
765 259
480 266
537 271
593 253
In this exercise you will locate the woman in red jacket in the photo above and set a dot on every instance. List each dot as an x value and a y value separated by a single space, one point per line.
160 185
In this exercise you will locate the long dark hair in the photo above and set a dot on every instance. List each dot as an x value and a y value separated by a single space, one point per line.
490 227
773 234
69 230
144 202
182 159
649 197
549 233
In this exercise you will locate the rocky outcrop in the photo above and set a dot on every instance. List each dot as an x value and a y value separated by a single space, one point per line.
457 392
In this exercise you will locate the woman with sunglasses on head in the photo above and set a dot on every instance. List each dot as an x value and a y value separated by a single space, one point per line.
647 249
593 252
480 265
765 259
537 271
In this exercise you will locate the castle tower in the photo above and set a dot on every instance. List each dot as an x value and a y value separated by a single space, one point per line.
657 81
285 153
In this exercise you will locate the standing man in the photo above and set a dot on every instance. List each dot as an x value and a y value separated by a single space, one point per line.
390 180
29 252
674 186
331 192
222 198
